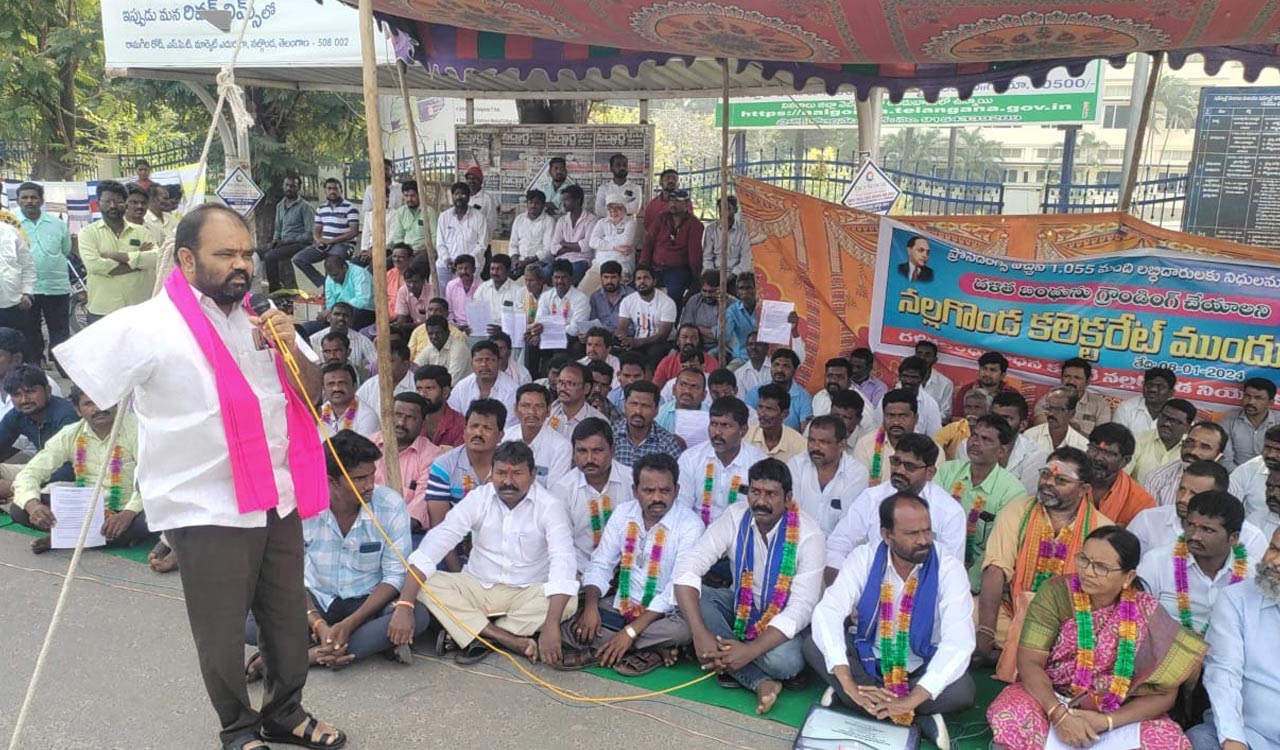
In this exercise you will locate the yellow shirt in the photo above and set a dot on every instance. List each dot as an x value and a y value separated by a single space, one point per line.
791 444
1150 454
950 437
107 292
61 449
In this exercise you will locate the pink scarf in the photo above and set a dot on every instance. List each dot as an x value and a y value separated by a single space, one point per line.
242 420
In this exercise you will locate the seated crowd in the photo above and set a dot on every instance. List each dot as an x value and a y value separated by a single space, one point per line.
587 481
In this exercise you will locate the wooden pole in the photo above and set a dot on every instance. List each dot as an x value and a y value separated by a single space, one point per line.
378 180
724 213
436 291
1144 119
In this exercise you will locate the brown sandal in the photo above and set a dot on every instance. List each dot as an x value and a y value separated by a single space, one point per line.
575 659
639 663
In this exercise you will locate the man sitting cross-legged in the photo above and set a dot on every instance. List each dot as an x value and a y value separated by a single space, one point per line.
83 445
516 583
594 488
904 577
751 633
640 629
352 574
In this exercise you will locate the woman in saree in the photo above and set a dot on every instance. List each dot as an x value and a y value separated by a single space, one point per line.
1097 653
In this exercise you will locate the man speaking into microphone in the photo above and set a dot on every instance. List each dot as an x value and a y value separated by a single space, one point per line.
229 462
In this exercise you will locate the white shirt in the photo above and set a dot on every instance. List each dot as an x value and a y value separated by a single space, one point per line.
606 237
552 454
928 414
574 307
571 487
465 236
827 504
943 391
749 379
468 389
629 194
861 524
721 540
647 317
1156 570
531 238
17 267
488 207
366 226
953 629
371 392
683 529
395 199
1133 414
1244 684
693 475
1161 527
363 352
1267 522
183 472
1249 483
509 299
518 372
1039 436
1162 484
364 421
522 546
564 424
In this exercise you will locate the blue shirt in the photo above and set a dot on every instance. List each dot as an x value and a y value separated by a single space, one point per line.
801 404
50 244
356 289
1244 684
605 311
58 414
350 566
657 441
738 324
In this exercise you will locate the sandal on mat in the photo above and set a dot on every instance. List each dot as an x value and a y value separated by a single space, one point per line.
310 736
639 663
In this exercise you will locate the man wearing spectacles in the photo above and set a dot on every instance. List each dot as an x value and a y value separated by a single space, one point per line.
911 469
115 254
1055 521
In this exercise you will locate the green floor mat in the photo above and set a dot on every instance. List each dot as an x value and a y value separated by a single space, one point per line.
969 730
136 553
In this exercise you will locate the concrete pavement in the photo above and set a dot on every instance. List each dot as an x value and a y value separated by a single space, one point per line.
122 674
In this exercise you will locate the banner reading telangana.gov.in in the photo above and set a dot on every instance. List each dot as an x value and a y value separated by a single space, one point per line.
1213 321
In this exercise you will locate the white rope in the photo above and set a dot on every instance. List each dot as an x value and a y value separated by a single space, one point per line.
227 91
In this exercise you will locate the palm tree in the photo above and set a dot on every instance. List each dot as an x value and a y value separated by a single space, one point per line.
977 154
1090 152
1176 102
913 147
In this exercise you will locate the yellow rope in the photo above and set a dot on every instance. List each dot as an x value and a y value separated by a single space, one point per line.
292 364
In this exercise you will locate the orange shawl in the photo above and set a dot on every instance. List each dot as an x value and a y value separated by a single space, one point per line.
1125 499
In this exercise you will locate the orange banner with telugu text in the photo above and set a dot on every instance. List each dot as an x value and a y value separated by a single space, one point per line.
821 256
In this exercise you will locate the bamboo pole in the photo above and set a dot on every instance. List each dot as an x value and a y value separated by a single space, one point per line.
724 213
378 180
1144 119
436 291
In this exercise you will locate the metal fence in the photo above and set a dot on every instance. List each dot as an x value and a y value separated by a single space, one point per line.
438 165
928 188
1159 196
22 160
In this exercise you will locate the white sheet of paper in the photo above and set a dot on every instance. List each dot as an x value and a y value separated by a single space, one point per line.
69 506
479 318
691 426
513 324
553 335
775 326
825 729
1127 737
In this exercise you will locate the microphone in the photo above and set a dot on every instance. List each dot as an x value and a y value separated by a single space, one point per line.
260 303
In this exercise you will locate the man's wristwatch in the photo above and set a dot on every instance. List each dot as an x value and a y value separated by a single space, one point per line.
631 632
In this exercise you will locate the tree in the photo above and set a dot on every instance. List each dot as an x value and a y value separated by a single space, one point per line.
978 155
908 149
1175 103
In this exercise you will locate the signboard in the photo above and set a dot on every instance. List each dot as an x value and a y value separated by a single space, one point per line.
1233 192
1211 321
281 33
514 156
872 190
1063 100
239 191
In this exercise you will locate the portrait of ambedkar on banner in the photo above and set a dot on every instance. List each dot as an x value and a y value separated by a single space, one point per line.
916 267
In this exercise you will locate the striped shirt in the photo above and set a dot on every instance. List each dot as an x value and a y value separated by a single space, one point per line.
350 566
334 220
658 441
451 477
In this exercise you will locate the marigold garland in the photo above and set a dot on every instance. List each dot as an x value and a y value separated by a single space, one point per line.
600 509
743 627
1051 554
348 417
115 478
1122 672
630 610
1239 571
708 488
971 524
877 460
895 641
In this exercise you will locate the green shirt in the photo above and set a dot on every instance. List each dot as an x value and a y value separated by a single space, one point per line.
50 245
999 489
61 449
411 227
109 292
294 222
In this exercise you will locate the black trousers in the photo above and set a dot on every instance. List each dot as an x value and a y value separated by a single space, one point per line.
55 310
227 573
16 317
278 264
958 696
136 532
